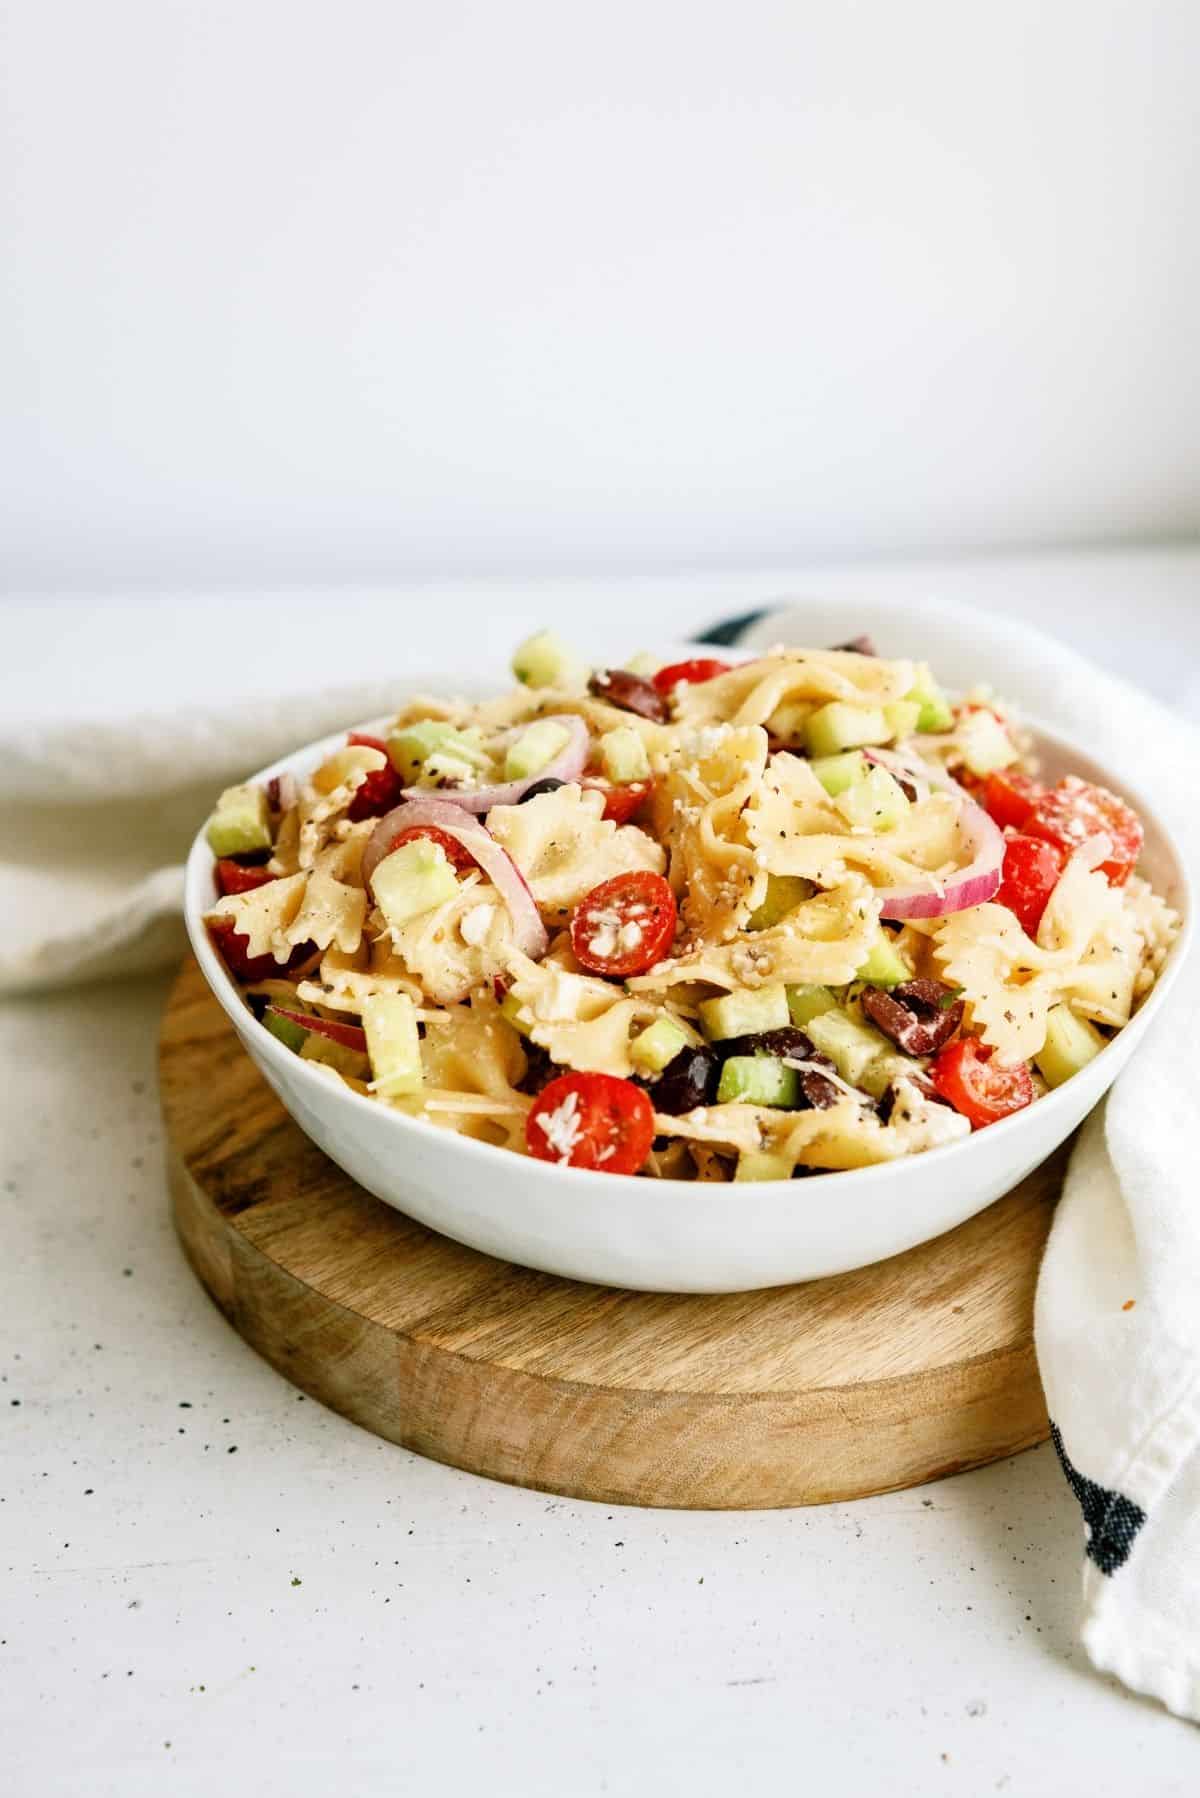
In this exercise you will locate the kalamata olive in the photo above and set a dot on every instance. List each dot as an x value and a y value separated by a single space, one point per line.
687 1081
919 1016
549 785
630 692
818 1092
859 646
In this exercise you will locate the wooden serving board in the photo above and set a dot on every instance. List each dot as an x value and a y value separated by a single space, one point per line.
916 1367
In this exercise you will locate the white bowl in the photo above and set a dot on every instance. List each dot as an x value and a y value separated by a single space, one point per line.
679 1236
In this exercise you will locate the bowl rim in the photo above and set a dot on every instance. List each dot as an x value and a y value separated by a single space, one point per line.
200 861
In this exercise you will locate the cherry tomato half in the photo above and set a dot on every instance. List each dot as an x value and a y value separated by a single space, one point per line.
591 1120
624 925
622 803
460 859
966 1077
232 877
1009 797
234 950
381 790
700 668
1075 810
1031 872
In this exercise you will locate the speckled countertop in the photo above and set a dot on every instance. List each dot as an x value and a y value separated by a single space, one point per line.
208 1580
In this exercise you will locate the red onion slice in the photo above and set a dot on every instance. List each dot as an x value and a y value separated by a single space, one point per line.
973 884
529 931
566 766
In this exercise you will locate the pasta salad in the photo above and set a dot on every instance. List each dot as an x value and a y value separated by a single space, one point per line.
700 921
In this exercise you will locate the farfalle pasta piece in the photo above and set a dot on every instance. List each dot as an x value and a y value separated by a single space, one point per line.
753 692
344 981
564 846
474 1049
845 1135
472 1061
1003 978
264 915
334 908
320 811
331 913
823 942
700 813
796 830
457 945
581 1022
1086 955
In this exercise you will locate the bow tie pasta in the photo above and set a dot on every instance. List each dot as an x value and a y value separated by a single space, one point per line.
703 921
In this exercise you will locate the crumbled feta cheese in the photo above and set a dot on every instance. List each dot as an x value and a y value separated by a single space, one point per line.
563 1127
476 923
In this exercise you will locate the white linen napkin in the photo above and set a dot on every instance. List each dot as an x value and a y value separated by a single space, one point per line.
93 826
1122 1379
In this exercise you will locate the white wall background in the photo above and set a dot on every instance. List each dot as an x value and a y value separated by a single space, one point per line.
355 291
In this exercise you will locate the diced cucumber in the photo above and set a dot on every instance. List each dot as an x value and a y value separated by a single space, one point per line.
784 893
623 755
839 726
850 1044
808 1002
411 748
935 712
389 1021
762 1164
986 745
657 1045
544 660
744 1013
837 772
758 1080
884 966
413 879
517 1016
535 748
241 824
290 1034
903 716
1070 1044
335 1055
877 802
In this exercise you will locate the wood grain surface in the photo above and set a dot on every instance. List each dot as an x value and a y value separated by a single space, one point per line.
898 1373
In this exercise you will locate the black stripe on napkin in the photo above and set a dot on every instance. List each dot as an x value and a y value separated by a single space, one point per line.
1112 1520
730 630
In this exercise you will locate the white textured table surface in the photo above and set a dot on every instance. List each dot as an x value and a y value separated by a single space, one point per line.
209 1580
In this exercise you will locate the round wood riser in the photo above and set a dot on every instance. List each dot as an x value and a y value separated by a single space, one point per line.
886 1377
